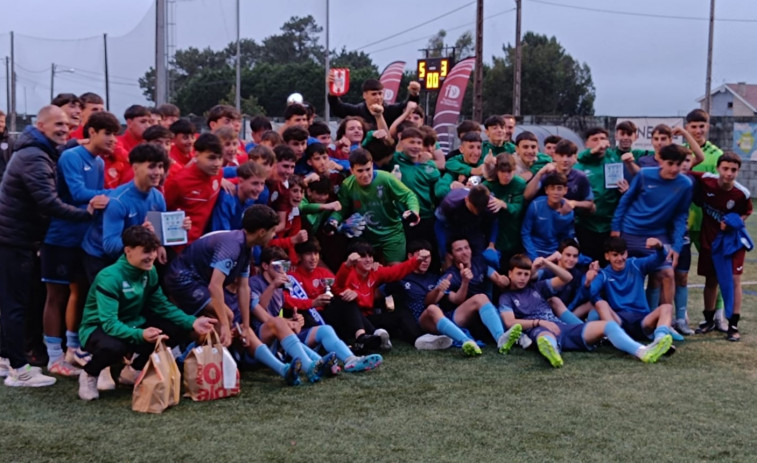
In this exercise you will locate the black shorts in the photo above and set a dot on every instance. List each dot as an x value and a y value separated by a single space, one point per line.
60 264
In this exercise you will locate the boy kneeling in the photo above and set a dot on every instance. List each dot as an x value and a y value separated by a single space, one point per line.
126 311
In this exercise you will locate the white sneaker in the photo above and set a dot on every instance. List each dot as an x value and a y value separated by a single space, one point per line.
386 343
433 342
682 327
88 387
5 367
62 368
105 380
27 376
128 376
76 356
721 323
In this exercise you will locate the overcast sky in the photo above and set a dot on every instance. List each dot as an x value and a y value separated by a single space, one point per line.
647 57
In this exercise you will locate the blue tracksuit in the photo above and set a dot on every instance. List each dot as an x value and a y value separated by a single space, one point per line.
128 206
81 176
653 206
624 290
726 244
543 228
228 211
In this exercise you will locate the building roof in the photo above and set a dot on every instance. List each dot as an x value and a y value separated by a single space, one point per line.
747 93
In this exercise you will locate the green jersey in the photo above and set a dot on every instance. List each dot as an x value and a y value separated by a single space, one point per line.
456 165
507 147
421 178
509 219
376 202
605 199
118 301
710 164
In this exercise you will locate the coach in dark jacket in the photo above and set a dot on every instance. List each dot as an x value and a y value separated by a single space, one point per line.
373 93
28 198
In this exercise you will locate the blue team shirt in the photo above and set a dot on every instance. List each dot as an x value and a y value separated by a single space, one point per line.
530 303
415 286
579 188
81 176
480 284
128 206
257 286
624 290
654 206
225 251
543 228
228 210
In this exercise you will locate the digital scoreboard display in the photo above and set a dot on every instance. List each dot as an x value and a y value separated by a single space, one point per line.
432 72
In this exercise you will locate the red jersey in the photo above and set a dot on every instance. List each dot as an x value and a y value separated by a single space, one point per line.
179 157
117 168
347 278
242 157
194 192
279 199
716 203
77 134
128 141
312 282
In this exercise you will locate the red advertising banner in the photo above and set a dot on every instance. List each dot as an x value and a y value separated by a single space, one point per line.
340 83
450 101
390 79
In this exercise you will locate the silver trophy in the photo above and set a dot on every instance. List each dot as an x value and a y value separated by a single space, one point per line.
327 282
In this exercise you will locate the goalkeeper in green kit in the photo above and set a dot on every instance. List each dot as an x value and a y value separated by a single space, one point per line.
375 195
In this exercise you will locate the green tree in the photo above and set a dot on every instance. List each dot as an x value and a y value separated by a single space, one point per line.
552 81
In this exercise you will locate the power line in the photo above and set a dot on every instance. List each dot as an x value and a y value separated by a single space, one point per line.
644 15
447 30
415 27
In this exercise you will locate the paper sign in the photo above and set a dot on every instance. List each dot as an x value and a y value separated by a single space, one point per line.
341 83
168 227
613 174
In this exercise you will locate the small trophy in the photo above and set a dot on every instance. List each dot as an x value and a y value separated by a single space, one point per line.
327 282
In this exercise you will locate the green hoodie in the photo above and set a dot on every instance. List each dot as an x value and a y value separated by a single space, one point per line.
421 178
119 299
510 219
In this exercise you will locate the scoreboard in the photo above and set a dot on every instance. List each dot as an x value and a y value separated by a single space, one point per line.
432 72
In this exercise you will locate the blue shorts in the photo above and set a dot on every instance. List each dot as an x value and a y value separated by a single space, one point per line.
187 291
632 323
571 337
60 264
637 247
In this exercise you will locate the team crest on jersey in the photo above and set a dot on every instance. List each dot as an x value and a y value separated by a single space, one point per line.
429 169
730 204
144 281
380 191
112 172
316 282
274 196
215 185
407 285
516 302
126 287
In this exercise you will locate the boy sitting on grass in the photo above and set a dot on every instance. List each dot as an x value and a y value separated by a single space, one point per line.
526 304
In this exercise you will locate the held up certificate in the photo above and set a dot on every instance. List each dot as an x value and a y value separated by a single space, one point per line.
167 227
613 174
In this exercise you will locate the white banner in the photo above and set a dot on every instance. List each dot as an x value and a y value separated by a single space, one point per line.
645 125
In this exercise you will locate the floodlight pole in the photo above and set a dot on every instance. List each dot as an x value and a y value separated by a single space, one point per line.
708 80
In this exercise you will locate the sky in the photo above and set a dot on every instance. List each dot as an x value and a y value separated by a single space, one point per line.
647 57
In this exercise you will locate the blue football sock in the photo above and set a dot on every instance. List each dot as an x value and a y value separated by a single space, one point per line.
331 342
593 316
653 296
264 355
54 349
72 339
661 331
620 339
570 318
446 327
490 317
292 346
681 298
313 355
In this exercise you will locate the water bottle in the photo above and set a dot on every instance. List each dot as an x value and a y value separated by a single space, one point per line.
397 173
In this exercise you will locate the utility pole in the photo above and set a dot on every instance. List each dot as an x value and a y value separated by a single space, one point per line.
327 65
52 81
161 81
478 76
238 93
8 84
708 80
107 79
516 71
12 113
